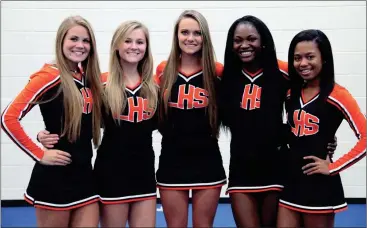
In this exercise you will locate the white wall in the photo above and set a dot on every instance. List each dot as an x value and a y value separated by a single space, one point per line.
28 32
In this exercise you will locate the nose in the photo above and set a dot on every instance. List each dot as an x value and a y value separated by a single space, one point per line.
133 45
303 62
190 37
79 44
244 45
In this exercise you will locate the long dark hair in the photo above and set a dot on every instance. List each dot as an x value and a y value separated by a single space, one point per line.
327 75
233 65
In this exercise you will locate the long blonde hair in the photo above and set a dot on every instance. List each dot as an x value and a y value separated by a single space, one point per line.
208 62
73 100
115 87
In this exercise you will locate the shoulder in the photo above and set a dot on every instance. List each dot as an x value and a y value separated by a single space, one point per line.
104 77
160 68
219 69
159 72
340 93
48 73
283 67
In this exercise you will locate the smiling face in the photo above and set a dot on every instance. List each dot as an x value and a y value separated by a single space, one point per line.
76 46
307 60
246 42
190 39
133 48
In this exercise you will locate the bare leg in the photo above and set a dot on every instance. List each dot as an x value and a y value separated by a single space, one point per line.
204 205
288 218
175 205
245 209
319 220
114 215
51 218
86 216
142 213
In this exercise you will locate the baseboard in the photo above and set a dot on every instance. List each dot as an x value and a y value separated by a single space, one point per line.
23 203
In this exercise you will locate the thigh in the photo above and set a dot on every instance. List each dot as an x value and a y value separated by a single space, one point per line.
143 213
86 216
318 220
52 218
269 208
245 209
204 206
175 205
114 215
288 218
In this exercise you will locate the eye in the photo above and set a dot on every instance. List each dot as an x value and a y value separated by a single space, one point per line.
184 32
140 42
86 41
197 33
74 38
310 57
297 58
127 41
252 39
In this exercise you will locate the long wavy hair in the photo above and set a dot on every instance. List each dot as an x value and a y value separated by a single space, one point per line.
73 101
115 88
209 71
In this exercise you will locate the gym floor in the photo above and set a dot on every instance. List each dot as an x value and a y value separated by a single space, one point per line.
355 216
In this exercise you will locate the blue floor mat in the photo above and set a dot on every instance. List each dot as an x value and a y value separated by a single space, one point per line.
355 216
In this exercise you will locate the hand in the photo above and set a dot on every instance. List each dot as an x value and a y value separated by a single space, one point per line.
55 157
318 166
46 139
332 147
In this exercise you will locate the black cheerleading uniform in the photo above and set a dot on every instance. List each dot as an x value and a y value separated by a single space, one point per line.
251 107
313 124
190 156
54 187
124 168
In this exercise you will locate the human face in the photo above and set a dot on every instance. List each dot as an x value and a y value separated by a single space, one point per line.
307 60
189 35
246 42
133 48
76 46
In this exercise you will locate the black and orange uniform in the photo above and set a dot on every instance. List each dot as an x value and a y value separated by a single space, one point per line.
252 109
124 168
313 123
190 156
54 187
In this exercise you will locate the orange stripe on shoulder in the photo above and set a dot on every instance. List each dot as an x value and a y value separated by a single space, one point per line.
104 77
283 67
219 69
159 72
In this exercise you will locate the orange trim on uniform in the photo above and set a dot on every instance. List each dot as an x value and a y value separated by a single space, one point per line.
159 72
36 205
252 75
135 86
219 69
316 211
304 100
104 77
190 187
253 190
108 202
344 101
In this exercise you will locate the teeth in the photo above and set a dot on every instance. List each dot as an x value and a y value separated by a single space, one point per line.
305 71
78 53
245 53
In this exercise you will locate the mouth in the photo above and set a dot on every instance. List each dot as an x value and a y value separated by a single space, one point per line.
133 53
78 53
305 72
190 45
246 53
